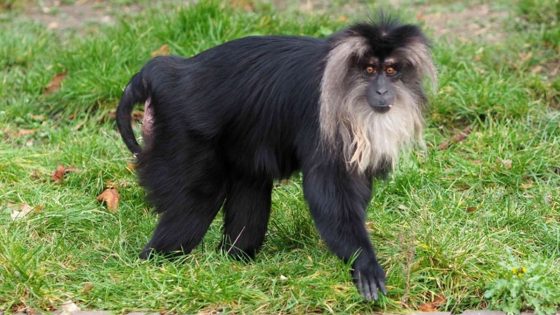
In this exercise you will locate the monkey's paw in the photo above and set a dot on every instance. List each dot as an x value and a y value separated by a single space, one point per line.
368 277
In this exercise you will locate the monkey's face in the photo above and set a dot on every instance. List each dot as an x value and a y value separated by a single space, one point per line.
380 77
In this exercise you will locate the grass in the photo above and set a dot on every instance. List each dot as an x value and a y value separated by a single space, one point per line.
447 225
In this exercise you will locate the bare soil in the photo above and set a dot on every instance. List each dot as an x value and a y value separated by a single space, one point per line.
471 23
475 22
56 15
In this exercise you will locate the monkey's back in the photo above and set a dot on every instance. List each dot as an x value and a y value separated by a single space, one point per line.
251 97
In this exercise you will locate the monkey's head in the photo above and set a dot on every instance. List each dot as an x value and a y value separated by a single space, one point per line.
372 95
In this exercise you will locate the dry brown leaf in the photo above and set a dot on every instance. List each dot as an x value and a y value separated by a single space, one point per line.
20 211
434 305
61 170
25 132
110 197
55 83
58 175
427 307
162 51
471 209
458 137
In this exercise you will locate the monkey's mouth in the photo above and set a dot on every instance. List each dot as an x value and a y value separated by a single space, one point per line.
382 108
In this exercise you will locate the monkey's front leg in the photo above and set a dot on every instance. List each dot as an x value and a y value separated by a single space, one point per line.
338 201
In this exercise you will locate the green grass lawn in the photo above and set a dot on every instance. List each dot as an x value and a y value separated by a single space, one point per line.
475 225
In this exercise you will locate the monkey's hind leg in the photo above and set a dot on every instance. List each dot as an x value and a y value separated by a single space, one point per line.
246 213
189 194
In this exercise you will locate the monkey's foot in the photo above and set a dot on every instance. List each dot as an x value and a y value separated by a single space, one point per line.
368 277
237 253
149 252
146 253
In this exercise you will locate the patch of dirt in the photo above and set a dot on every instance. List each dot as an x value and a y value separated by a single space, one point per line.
476 22
467 22
56 15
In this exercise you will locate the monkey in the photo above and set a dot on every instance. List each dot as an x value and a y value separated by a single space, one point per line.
222 125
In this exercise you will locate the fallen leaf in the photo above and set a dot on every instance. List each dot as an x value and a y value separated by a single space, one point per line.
162 51
434 305
69 307
18 212
110 197
55 83
61 170
58 175
471 209
25 132
427 307
462 135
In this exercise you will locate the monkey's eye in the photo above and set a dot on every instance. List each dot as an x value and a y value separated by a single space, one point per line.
390 70
371 69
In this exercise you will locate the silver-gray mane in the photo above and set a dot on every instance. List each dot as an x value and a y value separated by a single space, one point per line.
369 139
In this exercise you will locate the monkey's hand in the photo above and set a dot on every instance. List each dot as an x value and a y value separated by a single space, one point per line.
369 277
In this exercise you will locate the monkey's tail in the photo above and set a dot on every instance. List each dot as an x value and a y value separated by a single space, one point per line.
136 92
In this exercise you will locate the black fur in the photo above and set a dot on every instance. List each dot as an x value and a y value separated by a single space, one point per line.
229 121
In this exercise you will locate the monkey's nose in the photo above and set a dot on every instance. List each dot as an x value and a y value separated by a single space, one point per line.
382 91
